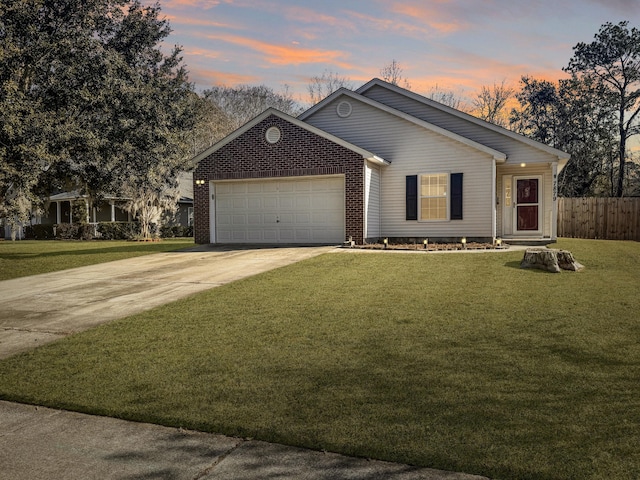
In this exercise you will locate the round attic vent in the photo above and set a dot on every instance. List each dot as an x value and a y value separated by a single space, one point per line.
343 109
273 134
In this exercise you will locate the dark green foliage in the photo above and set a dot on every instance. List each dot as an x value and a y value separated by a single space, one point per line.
118 230
39 232
173 231
612 63
88 99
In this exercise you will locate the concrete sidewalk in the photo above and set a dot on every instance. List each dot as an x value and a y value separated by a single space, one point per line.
38 443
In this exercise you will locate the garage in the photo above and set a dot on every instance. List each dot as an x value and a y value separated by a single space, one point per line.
287 210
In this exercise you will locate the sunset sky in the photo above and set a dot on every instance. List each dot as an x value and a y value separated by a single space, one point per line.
458 45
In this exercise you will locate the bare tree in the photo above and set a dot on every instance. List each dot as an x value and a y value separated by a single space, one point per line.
490 103
322 86
448 98
392 73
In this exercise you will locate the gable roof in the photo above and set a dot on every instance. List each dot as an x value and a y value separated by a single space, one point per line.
367 155
497 155
563 157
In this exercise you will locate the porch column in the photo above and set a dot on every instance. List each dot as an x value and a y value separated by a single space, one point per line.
113 210
58 212
554 211
86 206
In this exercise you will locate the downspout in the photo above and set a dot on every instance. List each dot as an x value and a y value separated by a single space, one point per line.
365 202
494 197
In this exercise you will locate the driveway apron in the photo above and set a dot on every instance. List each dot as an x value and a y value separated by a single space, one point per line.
43 308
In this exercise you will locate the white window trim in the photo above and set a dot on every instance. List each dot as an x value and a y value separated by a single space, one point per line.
447 196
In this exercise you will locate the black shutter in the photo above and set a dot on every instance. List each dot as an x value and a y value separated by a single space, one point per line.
412 197
456 196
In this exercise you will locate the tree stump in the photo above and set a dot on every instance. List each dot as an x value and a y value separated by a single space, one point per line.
550 260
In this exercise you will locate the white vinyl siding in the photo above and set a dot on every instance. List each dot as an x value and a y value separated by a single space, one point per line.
413 150
293 210
517 151
372 201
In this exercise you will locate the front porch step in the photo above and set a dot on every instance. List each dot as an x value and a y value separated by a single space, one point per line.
531 242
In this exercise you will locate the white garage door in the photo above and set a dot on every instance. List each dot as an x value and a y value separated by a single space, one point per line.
302 210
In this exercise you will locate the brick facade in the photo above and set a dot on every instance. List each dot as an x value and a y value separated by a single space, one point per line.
299 152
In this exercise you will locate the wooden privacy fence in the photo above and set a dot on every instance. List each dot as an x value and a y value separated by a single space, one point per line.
604 218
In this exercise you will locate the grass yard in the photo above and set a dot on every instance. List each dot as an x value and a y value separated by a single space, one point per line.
460 362
30 257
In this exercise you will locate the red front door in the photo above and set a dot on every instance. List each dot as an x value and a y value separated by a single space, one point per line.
527 204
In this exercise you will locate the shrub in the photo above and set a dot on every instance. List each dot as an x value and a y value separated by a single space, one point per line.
171 231
66 231
39 232
118 230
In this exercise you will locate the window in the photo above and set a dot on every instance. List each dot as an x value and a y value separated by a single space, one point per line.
433 196
428 193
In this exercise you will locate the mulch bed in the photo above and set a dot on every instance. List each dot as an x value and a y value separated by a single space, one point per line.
431 247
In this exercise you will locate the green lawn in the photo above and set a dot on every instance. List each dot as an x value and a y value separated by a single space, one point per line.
461 362
30 257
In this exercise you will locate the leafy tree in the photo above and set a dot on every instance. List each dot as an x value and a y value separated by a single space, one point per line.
612 61
88 98
572 116
44 47
152 112
539 110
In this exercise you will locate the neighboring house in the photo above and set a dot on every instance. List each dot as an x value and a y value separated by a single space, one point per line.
184 213
59 208
380 162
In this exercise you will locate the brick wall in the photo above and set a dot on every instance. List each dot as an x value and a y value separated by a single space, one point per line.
297 153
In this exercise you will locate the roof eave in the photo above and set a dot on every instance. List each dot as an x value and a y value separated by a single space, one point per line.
306 126
445 108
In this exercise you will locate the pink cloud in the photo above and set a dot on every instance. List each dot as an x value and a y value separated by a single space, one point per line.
180 4
196 22
206 78
196 52
310 16
286 54
436 19
388 24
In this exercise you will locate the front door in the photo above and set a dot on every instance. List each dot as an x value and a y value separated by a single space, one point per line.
527 205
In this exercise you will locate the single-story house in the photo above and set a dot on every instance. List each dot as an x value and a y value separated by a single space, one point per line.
378 162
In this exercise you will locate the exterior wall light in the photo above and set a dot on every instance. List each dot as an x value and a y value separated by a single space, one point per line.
199 182
523 164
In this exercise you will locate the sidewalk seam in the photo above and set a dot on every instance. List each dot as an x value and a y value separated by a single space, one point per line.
219 460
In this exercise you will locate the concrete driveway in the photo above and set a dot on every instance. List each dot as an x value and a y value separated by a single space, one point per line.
42 308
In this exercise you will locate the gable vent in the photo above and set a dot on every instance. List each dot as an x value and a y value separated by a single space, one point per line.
344 109
273 134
